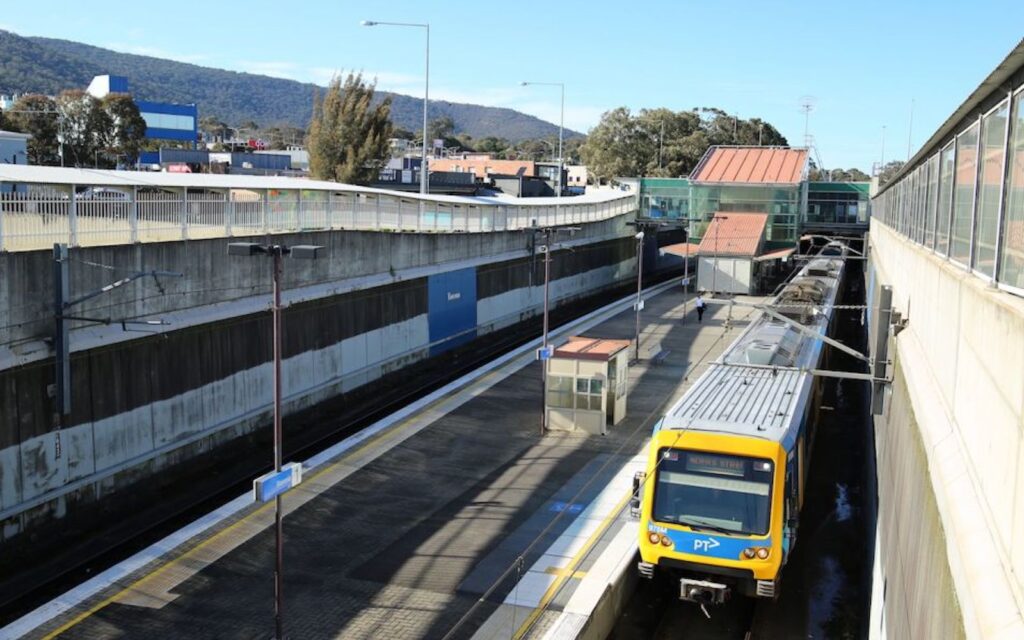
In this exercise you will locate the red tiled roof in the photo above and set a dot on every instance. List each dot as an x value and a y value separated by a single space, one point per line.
579 348
751 165
682 249
734 234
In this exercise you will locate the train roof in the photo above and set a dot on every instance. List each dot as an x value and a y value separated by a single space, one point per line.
740 400
760 385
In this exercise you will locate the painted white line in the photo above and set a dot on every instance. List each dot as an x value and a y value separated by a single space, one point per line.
93 586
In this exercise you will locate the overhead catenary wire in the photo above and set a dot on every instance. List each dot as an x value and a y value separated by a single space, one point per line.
645 423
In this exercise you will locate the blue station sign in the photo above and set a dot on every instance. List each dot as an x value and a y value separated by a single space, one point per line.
270 485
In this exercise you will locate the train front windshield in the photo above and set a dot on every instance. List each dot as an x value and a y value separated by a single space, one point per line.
713 492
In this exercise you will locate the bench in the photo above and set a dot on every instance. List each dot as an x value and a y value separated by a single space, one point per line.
659 358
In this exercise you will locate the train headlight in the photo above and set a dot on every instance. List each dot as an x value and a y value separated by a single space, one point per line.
666 541
654 537
761 553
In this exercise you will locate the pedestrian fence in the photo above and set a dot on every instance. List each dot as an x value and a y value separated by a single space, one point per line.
37 217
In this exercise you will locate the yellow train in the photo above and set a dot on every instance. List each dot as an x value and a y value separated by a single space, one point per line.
726 471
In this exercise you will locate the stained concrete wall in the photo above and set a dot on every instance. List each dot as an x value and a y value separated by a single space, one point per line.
147 404
950 451
213 277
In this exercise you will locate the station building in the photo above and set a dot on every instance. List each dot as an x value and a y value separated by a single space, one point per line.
745 210
164 121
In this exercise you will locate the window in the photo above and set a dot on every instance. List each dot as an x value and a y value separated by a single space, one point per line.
713 491
1011 269
933 184
945 197
560 392
963 194
168 121
993 137
588 394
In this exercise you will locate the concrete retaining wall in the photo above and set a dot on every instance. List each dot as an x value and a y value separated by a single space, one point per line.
950 451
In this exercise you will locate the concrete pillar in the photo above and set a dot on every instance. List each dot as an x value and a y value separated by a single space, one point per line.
72 218
133 215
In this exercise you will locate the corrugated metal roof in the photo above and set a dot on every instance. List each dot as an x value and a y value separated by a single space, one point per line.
579 348
734 234
751 165
31 174
743 400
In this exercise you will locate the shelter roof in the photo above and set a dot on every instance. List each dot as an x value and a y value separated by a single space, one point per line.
734 234
580 348
751 165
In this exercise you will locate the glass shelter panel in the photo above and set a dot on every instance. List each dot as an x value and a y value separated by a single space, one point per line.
993 137
933 184
1011 270
963 194
945 198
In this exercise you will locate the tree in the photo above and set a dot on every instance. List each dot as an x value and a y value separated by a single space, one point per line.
348 138
213 127
660 142
85 125
891 168
440 129
37 116
126 127
617 146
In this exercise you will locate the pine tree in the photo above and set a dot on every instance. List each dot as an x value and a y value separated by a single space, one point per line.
348 137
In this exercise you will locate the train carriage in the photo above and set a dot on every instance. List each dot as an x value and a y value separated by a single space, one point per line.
727 465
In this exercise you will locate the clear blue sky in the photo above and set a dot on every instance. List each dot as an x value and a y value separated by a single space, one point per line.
863 64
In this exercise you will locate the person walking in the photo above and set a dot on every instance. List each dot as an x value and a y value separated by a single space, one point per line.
700 305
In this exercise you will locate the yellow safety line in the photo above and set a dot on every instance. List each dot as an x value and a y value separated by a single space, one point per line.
570 568
373 441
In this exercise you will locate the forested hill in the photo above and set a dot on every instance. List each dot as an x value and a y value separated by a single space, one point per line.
44 65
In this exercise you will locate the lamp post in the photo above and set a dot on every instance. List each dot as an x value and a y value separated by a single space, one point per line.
546 231
276 251
714 272
424 173
561 126
639 286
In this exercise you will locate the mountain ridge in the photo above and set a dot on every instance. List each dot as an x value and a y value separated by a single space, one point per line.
49 65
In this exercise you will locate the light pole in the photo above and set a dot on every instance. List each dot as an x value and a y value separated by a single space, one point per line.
546 250
714 272
424 172
639 286
276 251
561 126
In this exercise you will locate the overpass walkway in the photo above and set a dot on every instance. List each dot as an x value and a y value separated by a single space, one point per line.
40 206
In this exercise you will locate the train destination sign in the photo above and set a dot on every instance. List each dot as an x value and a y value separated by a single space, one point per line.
720 465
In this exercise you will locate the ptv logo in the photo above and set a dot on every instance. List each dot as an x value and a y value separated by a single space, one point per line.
705 544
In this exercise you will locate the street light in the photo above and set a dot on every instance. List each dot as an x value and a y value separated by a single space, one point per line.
714 272
424 174
276 251
546 250
561 125
639 286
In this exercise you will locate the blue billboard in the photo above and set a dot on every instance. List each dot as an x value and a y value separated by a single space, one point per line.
451 303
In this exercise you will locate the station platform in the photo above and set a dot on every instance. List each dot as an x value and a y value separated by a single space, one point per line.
451 518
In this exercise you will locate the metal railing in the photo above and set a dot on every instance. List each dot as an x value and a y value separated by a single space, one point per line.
40 215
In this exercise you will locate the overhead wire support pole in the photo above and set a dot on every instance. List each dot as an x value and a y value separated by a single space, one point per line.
62 329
